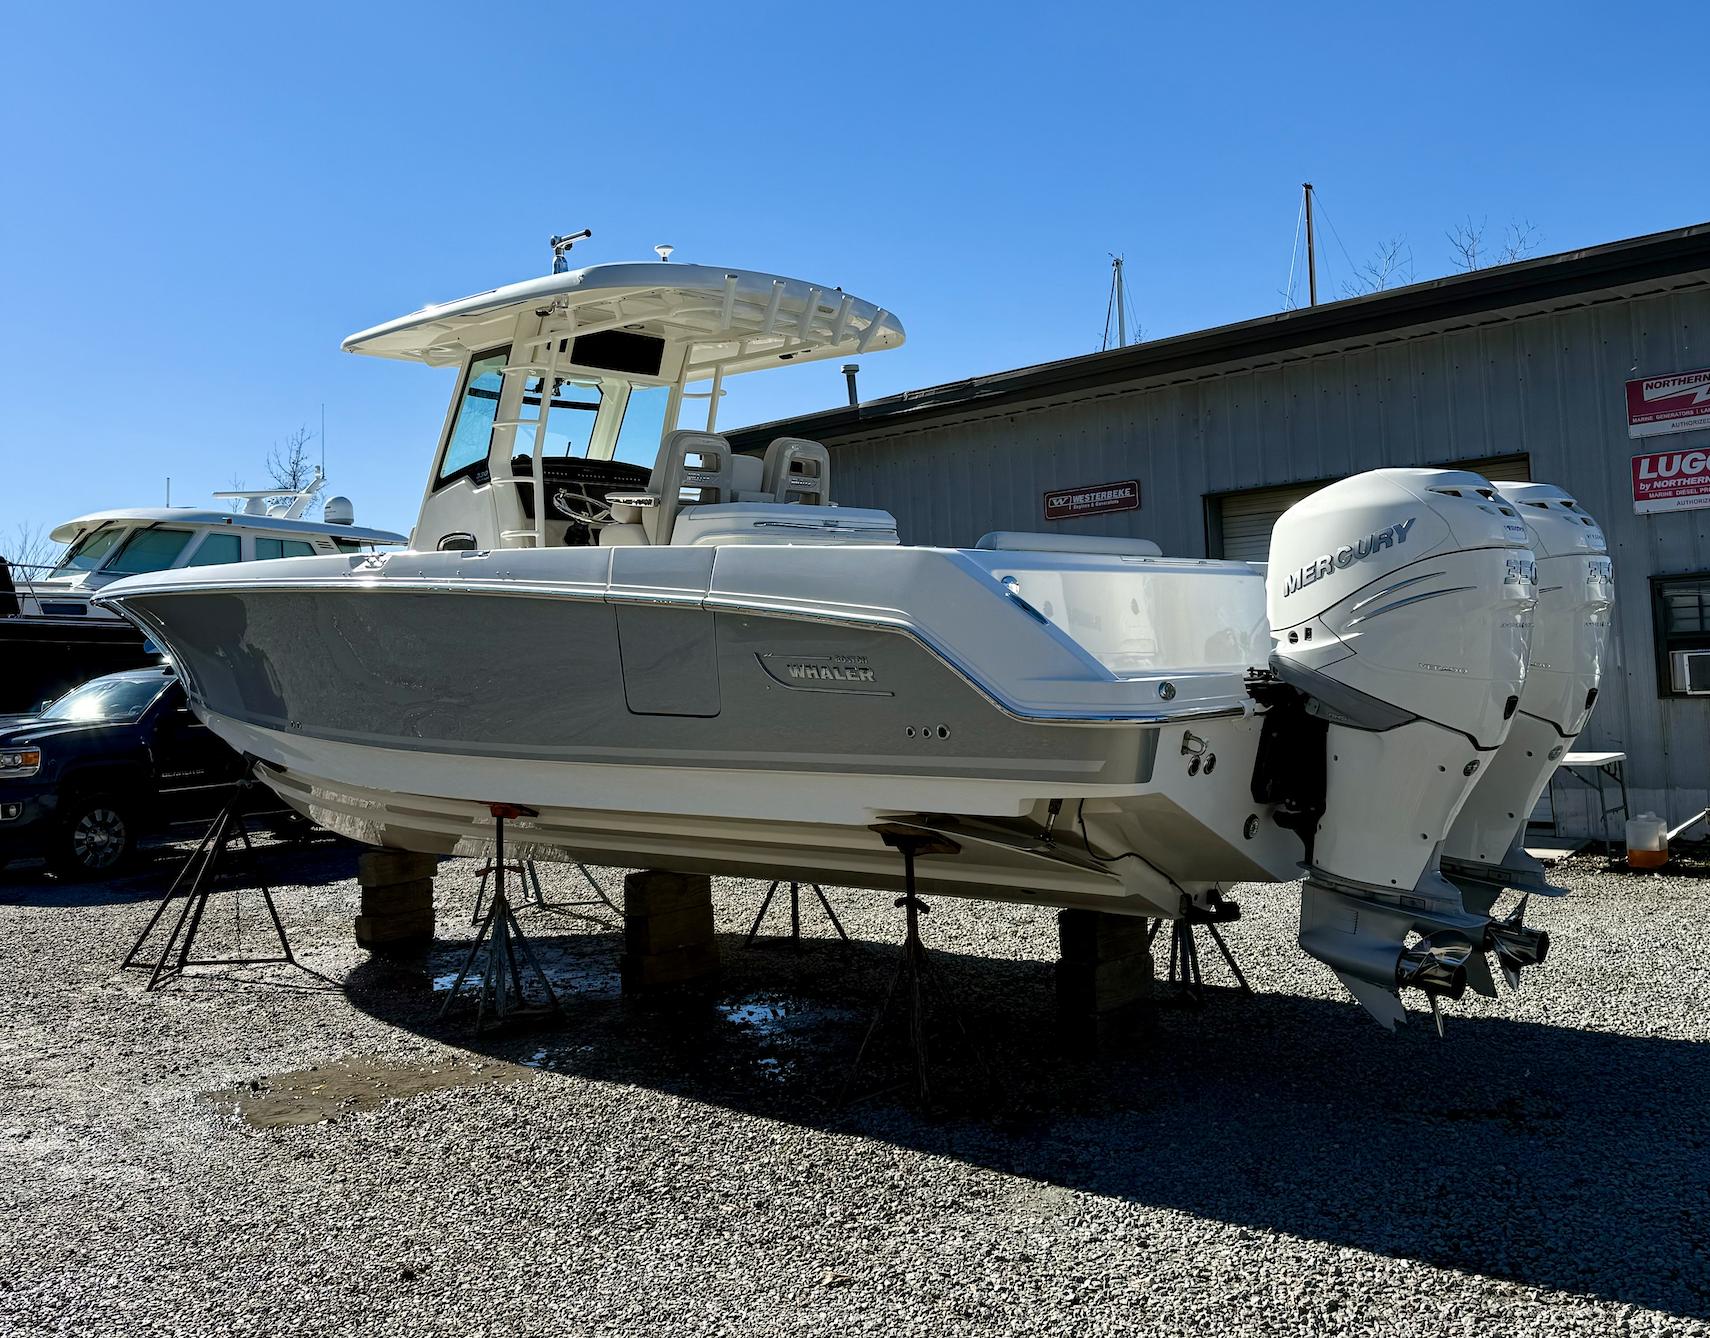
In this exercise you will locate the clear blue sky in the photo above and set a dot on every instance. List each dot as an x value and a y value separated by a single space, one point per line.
200 202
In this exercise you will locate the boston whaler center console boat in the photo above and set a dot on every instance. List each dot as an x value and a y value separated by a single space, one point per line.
52 635
685 658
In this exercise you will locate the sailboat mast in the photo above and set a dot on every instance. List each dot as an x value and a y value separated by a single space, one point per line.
1121 307
1311 250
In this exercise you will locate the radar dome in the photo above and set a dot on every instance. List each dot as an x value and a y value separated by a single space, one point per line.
339 511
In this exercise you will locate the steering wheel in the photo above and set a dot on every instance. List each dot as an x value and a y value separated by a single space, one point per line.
576 488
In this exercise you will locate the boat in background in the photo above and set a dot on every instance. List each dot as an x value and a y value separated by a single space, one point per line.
53 636
679 657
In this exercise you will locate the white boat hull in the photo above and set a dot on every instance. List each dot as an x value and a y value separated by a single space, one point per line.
785 824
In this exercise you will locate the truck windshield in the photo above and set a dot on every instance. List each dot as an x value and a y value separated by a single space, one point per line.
108 699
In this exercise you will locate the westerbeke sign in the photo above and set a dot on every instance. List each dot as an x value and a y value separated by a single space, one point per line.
1094 499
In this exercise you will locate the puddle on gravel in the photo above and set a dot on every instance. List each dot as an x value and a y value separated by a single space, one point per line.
569 979
766 1017
346 1086
773 1016
783 1026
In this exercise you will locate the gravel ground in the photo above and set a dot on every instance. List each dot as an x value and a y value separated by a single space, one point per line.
280 1150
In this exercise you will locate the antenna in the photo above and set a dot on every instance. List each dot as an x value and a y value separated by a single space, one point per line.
323 438
561 249
1116 306
663 250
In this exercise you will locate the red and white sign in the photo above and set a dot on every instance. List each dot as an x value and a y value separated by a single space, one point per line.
1671 481
1677 403
1096 499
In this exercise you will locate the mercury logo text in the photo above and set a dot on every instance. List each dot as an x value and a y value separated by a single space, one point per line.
1348 554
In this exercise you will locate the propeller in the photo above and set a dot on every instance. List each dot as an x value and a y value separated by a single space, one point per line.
1437 964
1515 945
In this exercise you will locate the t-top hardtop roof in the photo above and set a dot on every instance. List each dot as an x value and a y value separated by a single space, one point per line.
184 515
732 320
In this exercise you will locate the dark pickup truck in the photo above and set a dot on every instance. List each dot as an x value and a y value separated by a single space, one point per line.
116 759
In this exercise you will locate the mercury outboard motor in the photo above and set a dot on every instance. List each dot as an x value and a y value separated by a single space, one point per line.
1400 602
1484 853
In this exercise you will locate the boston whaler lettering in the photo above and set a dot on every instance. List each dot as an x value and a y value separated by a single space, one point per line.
669 652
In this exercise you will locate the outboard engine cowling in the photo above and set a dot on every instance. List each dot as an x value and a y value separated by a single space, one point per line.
1400 602
1484 853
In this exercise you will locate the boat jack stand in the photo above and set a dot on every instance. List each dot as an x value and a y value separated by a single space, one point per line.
501 939
526 874
1184 948
199 869
914 977
795 913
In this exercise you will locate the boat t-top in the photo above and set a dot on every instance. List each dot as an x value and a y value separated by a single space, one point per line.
55 637
677 656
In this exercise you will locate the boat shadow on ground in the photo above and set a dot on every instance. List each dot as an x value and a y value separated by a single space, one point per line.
1548 1156
320 862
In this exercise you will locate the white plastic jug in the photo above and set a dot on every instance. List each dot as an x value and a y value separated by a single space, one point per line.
1647 842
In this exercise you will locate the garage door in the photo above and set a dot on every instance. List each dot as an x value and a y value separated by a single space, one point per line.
1242 521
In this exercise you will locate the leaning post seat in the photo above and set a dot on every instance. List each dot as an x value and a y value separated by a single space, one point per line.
698 463
798 470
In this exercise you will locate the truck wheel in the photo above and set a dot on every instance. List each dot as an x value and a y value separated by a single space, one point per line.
95 840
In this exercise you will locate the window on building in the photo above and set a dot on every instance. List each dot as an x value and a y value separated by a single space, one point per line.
216 549
1680 618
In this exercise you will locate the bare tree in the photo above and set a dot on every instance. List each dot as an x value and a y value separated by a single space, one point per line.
1472 251
289 470
29 549
1391 264
1466 240
1519 240
289 464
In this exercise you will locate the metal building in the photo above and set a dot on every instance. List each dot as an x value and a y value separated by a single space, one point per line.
1589 369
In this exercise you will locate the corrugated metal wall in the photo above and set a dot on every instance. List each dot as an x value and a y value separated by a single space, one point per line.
1545 384
1241 522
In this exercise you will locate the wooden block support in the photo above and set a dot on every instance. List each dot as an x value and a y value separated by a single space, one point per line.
667 931
385 933
381 868
397 900
414 895
1105 966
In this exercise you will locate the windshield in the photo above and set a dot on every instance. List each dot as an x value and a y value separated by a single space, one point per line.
570 420
90 551
473 432
149 550
643 427
108 699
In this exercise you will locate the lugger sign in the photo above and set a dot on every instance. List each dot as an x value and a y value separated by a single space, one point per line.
1671 480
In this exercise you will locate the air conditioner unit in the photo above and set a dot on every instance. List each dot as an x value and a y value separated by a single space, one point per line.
1689 672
